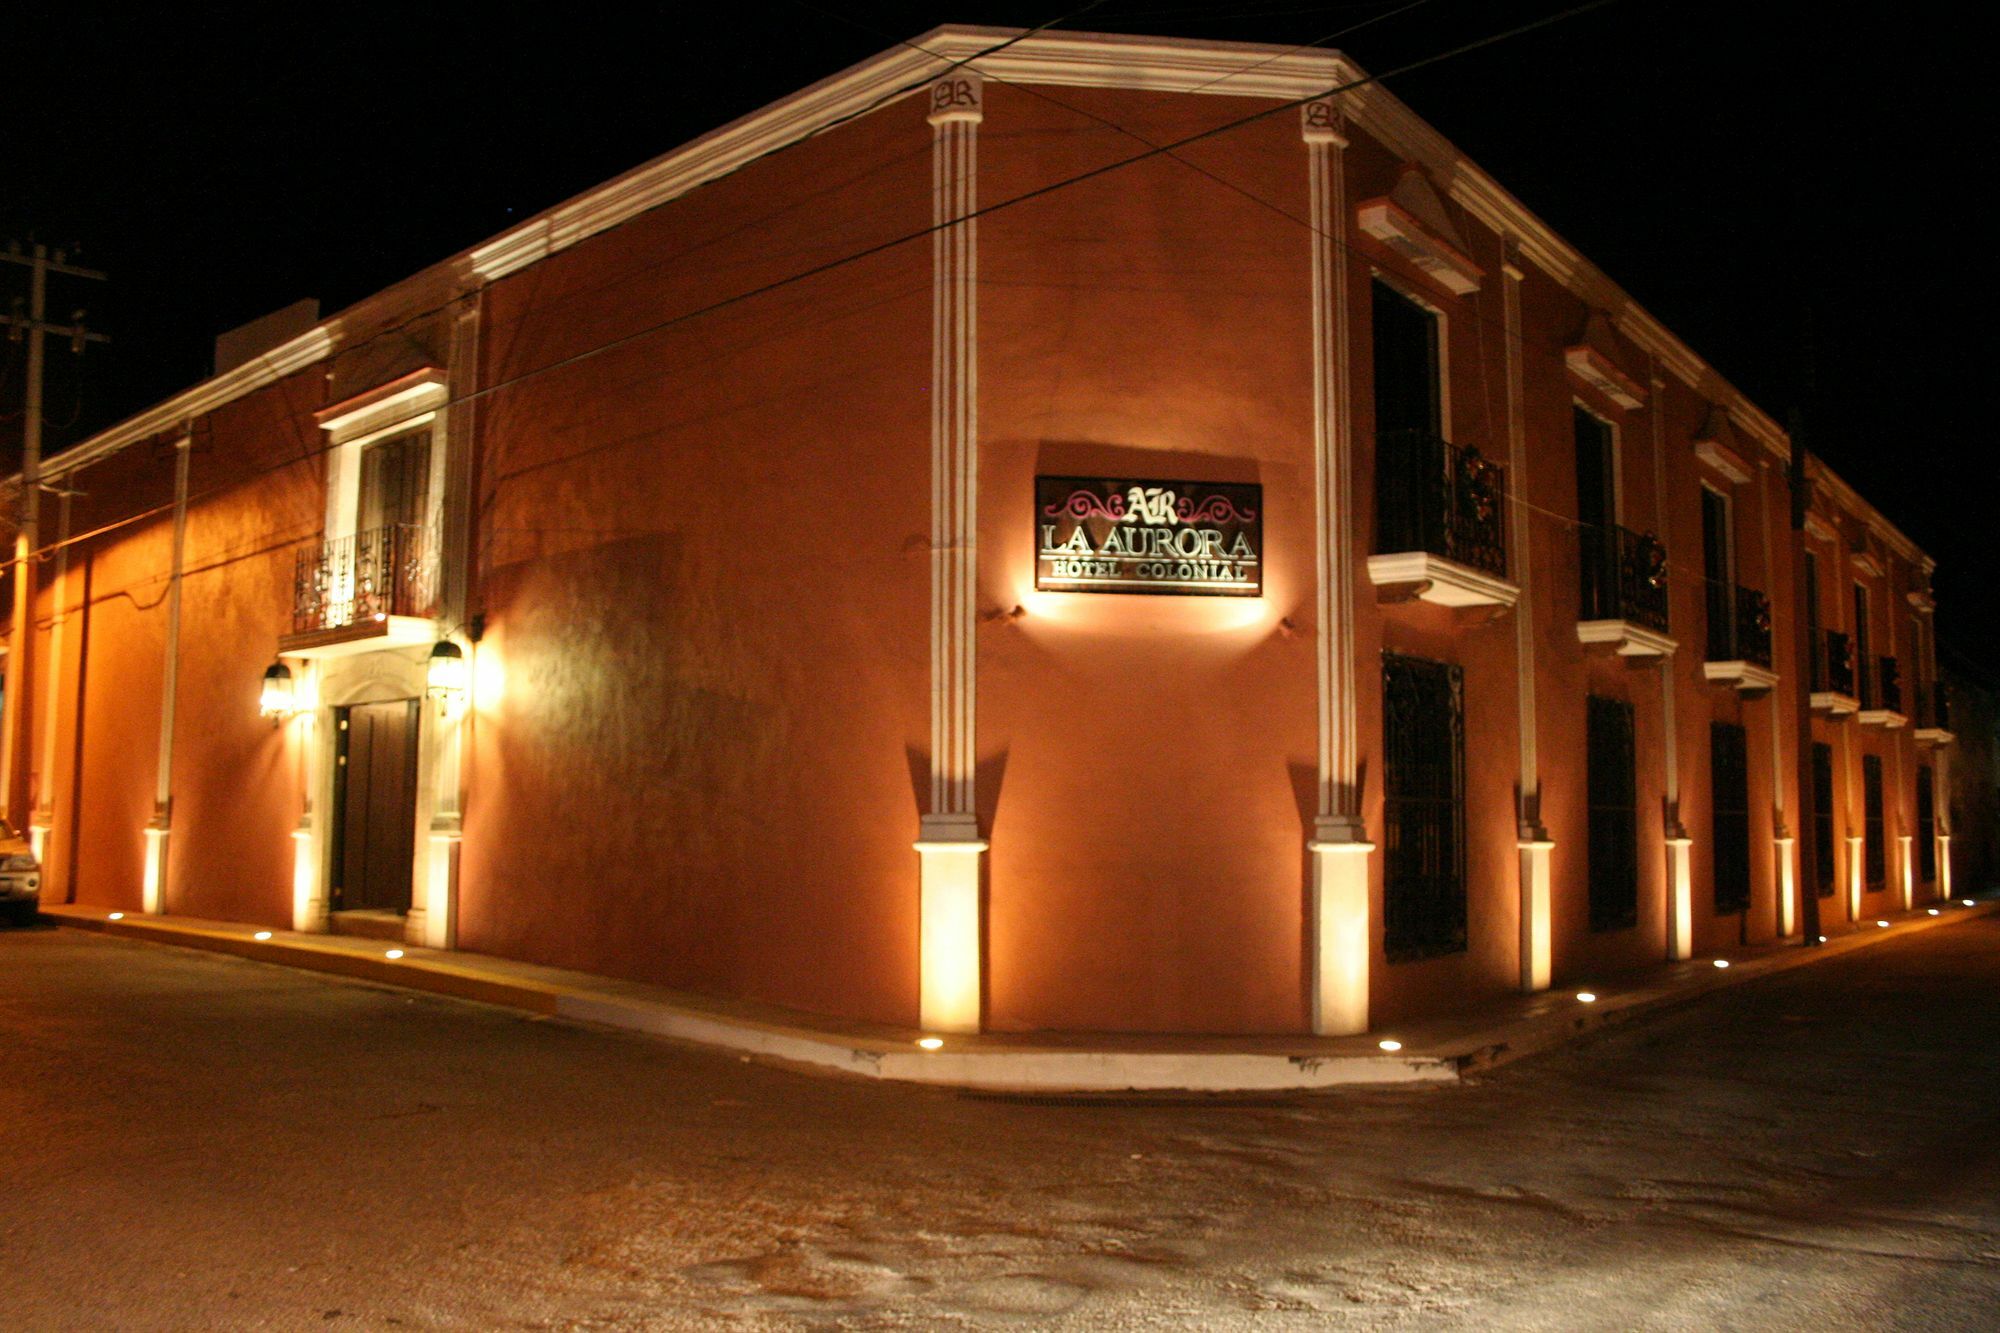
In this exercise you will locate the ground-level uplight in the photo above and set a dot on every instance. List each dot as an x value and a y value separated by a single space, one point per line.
1933 911
393 953
1883 924
116 916
931 1043
1822 939
1586 997
1966 901
1390 1044
261 935
1722 962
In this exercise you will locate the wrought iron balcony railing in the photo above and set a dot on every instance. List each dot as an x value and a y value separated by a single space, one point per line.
1431 495
1624 576
1833 664
1739 624
386 571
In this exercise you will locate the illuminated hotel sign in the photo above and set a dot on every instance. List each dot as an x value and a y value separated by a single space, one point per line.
1121 535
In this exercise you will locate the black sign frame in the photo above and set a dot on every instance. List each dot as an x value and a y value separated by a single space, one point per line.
1228 515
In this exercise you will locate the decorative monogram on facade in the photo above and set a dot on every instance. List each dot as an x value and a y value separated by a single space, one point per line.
954 95
1319 116
1148 536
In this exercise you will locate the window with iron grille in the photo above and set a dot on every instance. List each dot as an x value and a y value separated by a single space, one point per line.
1423 818
1729 787
1822 818
1874 856
1614 816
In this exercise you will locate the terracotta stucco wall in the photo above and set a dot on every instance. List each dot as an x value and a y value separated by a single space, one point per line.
703 563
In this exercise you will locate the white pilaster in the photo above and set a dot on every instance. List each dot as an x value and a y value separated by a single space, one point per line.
45 787
153 889
1535 846
312 732
1680 873
950 850
1339 932
1787 886
1854 849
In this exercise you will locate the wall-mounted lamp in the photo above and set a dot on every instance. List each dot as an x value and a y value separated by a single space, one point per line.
445 678
277 702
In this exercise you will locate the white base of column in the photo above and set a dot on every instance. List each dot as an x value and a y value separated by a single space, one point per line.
433 924
308 895
38 841
1788 889
1340 937
1537 960
952 861
1907 865
1944 865
1680 898
1853 878
153 888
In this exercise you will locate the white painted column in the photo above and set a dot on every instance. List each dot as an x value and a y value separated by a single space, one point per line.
1781 834
1339 934
153 890
1680 847
950 848
309 851
1536 850
1854 849
45 789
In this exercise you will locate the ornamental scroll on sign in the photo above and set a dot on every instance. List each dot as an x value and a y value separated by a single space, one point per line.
1191 538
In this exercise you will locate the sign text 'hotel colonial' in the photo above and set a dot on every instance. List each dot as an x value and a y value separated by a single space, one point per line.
1121 535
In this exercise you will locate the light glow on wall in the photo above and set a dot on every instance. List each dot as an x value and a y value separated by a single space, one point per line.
1680 906
1853 878
1537 953
1340 937
948 936
153 888
1145 615
489 677
1788 896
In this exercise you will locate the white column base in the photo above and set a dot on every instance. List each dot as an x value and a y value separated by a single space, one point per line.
1907 865
1853 878
1537 960
153 888
1340 937
38 840
1680 898
433 924
309 907
1788 889
952 862
1944 865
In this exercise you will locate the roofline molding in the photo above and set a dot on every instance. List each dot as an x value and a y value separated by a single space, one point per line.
1054 59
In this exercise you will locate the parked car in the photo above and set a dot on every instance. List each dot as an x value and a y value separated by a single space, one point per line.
20 877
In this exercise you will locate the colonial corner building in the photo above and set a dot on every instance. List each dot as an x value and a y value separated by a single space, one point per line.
920 556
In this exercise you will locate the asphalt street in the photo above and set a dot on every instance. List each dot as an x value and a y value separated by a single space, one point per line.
197 1142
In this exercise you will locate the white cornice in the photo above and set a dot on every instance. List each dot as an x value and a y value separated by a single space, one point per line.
259 371
1056 59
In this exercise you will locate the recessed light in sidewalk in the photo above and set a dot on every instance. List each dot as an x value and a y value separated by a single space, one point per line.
1586 997
1883 924
1966 901
1390 1044
115 916
261 935
393 953
931 1043
1722 962
1933 911
1822 939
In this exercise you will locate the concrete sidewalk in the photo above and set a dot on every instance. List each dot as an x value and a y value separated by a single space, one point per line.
1434 1051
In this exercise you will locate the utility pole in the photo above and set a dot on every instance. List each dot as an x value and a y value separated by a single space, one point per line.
33 324
1808 887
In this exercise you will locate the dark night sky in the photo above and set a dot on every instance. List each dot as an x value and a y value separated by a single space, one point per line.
1743 170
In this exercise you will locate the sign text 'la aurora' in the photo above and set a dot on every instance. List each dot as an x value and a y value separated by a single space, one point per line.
1195 538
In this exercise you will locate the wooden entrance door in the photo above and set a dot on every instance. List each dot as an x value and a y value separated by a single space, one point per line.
375 786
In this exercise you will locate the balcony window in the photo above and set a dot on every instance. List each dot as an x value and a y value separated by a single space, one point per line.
1882 693
1832 674
1439 521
